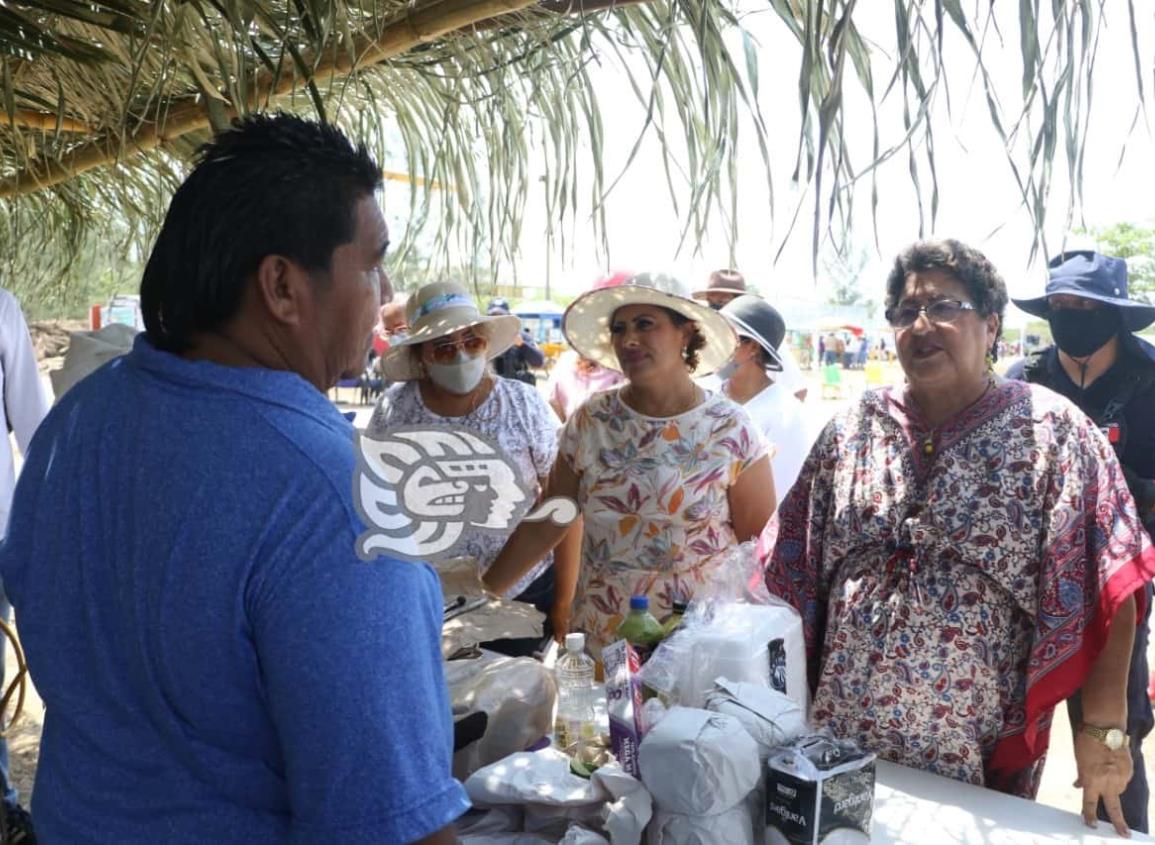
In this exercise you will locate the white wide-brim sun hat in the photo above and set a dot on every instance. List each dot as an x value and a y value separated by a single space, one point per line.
438 310
586 323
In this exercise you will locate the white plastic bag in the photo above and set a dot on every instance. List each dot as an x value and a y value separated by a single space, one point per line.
699 763
516 693
611 803
733 629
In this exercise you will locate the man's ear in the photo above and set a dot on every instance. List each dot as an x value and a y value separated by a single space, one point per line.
280 286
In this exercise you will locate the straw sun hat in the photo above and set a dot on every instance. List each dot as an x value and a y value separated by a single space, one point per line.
439 310
587 320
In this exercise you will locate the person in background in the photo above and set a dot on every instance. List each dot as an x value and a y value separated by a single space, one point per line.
668 476
216 661
443 380
516 361
748 378
831 346
574 378
25 405
965 554
1100 365
726 285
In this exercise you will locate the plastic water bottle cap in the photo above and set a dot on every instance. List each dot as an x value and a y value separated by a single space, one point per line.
575 643
639 602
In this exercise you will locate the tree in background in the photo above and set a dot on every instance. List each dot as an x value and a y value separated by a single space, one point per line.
1135 243
843 269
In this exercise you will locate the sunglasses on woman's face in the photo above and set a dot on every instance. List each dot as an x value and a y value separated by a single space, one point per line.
444 352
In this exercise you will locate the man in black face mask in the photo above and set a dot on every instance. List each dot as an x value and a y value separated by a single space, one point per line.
1109 373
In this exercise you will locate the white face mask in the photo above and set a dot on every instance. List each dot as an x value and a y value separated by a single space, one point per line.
460 377
727 370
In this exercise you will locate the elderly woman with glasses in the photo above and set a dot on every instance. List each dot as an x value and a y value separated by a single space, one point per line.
965 554
446 380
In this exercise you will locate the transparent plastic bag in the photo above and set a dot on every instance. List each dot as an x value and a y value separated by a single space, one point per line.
733 629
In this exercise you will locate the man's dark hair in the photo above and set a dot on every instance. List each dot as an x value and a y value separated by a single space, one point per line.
986 288
269 185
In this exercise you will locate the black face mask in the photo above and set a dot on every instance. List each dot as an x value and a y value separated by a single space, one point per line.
1082 333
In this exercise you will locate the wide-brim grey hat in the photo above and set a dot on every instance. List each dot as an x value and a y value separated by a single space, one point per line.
757 319
586 323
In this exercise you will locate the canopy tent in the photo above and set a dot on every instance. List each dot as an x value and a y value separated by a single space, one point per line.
539 308
543 319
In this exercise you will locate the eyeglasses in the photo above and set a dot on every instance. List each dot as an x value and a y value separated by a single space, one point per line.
939 311
446 351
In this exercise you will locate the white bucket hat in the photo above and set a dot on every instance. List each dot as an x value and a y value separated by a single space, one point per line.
586 323
439 310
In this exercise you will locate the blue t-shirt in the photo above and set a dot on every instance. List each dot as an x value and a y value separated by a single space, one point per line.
216 662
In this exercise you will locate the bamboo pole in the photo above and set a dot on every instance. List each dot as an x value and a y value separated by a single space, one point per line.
556 8
186 115
26 119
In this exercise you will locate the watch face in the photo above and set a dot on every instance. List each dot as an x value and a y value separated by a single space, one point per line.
1115 739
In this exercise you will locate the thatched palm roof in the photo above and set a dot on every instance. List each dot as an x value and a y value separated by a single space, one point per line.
104 100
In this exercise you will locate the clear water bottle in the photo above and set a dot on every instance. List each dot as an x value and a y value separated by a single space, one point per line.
574 673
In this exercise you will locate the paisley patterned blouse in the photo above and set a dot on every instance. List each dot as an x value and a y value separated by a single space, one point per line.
956 583
653 494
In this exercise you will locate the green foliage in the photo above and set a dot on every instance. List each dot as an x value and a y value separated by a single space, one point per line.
1135 243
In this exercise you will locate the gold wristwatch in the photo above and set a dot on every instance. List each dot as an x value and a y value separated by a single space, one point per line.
1113 738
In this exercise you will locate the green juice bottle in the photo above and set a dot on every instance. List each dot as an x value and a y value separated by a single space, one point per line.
640 629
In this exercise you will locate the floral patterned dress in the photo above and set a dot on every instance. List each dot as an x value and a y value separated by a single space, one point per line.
956 583
653 494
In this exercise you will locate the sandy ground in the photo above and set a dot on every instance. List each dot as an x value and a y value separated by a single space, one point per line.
1057 788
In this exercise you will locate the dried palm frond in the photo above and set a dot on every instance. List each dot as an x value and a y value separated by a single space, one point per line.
105 100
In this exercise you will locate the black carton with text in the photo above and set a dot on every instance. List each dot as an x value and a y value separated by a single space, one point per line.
819 790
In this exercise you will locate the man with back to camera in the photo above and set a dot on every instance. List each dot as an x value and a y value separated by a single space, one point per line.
216 662
1098 364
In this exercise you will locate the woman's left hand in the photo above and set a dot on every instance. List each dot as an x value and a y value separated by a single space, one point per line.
1103 773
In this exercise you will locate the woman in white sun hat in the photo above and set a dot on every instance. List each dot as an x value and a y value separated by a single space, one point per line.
668 476
445 380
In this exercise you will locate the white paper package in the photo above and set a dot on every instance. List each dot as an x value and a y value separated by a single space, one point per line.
770 717
733 827
699 763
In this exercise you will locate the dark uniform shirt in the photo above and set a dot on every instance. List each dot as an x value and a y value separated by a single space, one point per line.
1122 403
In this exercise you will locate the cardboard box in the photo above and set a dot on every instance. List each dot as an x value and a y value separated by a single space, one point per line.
624 704
819 790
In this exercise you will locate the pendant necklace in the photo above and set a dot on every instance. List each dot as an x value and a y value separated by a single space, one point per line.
928 441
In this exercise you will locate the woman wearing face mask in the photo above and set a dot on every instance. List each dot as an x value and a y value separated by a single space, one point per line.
965 554
750 378
668 476
445 380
